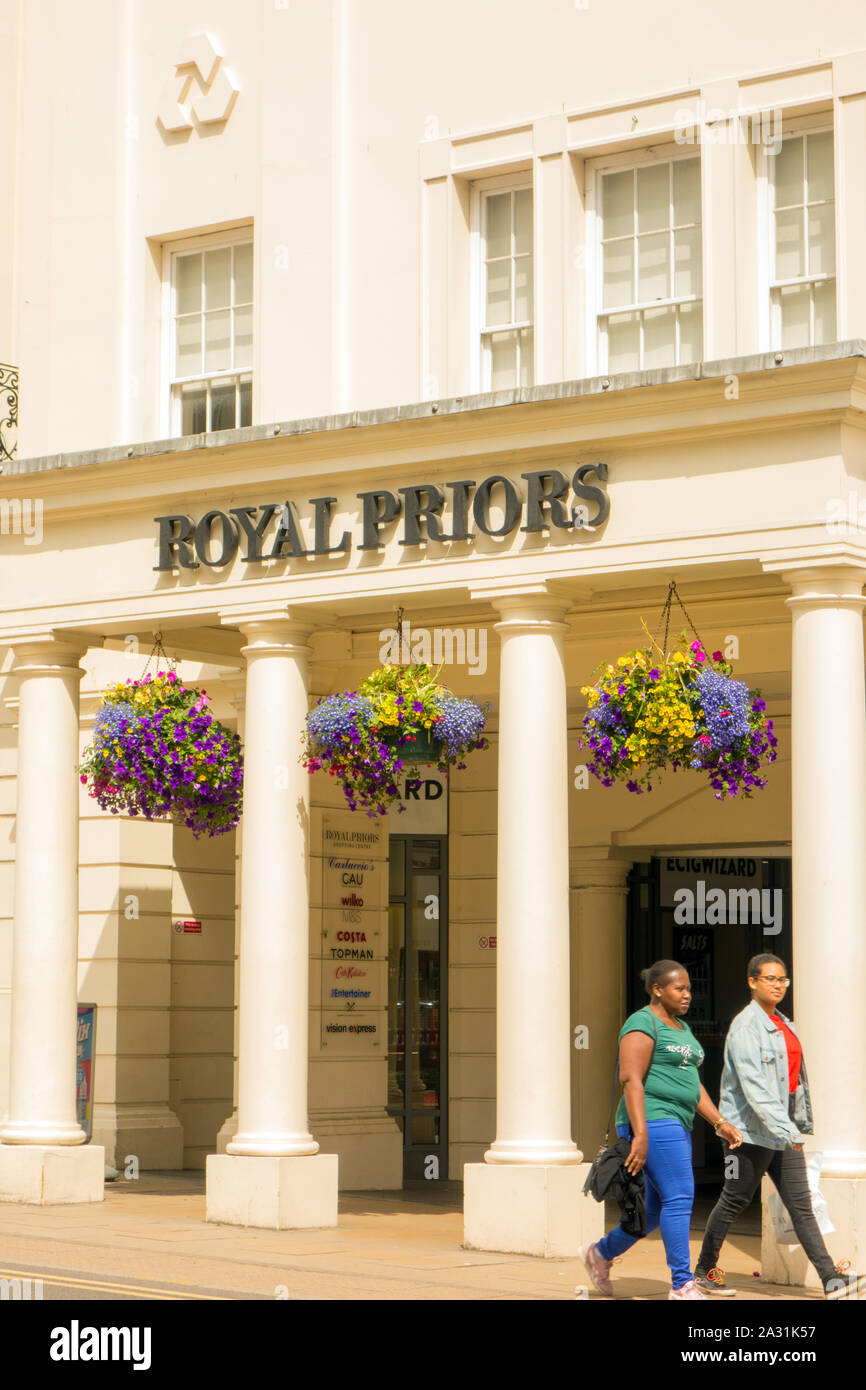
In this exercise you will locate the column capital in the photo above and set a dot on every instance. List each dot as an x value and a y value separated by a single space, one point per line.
273 628
591 867
524 605
828 580
46 654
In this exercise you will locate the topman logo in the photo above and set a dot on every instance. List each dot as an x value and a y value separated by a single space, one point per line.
22 516
718 907
75 1343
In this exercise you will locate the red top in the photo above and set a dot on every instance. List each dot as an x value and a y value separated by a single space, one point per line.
795 1052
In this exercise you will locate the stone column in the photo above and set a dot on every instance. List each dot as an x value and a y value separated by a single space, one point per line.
39 1162
828 796
598 971
271 1173
229 1128
526 1196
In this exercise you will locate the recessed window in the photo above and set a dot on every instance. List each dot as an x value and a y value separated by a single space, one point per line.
507 293
211 338
651 276
803 250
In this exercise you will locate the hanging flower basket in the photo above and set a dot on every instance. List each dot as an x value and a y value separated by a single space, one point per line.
157 753
398 715
654 710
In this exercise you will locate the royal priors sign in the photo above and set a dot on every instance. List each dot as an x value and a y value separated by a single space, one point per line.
422 512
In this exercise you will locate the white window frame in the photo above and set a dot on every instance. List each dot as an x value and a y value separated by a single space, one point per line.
596 348
477 327
170 404
770 325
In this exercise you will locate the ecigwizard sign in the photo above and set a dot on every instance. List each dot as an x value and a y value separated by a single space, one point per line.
424 512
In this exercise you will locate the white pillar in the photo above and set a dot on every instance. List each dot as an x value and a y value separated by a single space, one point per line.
598 977
38 1160
271 1173
828 795
526 1196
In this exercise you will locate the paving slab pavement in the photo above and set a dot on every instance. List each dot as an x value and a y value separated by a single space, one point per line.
387 1246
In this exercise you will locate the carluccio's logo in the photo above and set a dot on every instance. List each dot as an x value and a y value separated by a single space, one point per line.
423 512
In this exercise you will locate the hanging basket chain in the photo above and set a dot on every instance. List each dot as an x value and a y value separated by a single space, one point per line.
157 651
665 617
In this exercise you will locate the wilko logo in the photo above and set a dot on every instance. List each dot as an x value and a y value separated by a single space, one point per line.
352 901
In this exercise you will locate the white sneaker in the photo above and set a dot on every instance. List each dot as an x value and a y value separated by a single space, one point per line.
597 1269
689 1290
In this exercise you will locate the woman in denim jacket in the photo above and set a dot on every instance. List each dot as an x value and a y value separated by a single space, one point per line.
765 1094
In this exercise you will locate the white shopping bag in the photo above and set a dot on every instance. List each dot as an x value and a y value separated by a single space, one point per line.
783 1227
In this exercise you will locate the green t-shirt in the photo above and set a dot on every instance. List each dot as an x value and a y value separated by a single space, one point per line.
672 1087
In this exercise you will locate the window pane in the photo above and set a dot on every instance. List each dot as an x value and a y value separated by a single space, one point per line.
523 289
687 191
623 343
653 195
246 393
687 262
618 273
822 240
691 333
790 258
819 167
498 208
526 372
188 346
188 283
243 273
499 292
659 340
789 173
795 316
217 278
523 221
617 204
243 338
222 405
653 272
193 401
825 312
503 361
217 342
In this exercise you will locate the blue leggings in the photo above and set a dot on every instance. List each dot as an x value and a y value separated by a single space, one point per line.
670 1191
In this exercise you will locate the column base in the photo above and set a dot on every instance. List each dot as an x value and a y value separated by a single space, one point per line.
787 1264
275 1193
529 1209
45 1174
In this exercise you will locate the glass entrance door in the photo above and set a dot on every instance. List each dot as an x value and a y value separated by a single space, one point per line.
417 1051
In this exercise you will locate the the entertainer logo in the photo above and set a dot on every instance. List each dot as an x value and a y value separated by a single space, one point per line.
77 1343
719 906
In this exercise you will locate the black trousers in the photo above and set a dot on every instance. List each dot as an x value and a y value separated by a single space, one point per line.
787 1168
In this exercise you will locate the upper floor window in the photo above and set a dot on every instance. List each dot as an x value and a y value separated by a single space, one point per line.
211 345
651 310
803 249
507 312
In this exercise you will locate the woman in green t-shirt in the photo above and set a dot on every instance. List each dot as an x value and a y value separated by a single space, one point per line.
659 1057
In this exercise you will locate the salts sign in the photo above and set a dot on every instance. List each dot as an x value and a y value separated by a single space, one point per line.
354 947
424 512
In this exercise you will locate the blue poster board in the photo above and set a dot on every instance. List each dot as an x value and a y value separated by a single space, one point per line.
84 1050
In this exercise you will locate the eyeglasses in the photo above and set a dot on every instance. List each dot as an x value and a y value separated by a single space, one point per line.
774 980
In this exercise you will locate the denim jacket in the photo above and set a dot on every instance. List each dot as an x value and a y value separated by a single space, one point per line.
754 1092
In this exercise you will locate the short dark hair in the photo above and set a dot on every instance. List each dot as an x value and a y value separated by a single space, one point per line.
659 970
756 964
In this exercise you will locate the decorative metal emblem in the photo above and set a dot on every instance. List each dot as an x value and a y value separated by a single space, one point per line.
8 413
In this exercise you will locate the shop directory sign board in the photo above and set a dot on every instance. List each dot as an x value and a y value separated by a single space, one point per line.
85 1047
354 941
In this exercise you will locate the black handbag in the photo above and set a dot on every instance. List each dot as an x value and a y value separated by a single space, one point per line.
608 1175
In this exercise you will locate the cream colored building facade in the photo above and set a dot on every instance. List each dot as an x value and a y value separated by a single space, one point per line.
308 264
